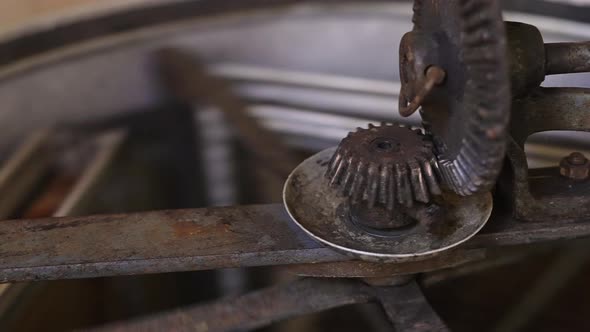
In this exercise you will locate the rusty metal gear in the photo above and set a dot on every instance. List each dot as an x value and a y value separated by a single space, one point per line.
385 165
467 113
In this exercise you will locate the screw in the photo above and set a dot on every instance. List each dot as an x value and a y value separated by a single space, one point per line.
575 166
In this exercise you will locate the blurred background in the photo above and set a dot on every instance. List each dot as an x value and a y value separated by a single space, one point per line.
88 125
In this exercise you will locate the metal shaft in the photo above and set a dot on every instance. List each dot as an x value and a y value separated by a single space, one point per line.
563 58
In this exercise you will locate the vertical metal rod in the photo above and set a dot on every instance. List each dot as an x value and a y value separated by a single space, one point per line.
408 309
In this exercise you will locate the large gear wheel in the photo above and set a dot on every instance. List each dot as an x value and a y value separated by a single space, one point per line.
385 165
466 113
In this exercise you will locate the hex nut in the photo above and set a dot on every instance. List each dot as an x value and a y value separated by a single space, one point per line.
575 166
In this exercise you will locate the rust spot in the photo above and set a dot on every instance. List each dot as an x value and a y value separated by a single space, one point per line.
189 228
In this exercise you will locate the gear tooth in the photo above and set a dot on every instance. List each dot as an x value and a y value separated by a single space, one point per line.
430 176
404 191
461 174
480 56
455 177
474 182
476 21
338 171
334 163
372 187
448 175
359 179
471 155
421 158
446 181
345 184
469 163
384 176
452 172
461 178
478 38
392 193
418 183
469 182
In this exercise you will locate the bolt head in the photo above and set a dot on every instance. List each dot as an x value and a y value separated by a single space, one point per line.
576 158
575 166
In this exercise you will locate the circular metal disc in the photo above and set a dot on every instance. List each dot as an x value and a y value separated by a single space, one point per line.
467 115
324 214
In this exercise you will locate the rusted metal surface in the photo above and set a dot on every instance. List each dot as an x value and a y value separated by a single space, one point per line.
545 195
562 58
545 109
467 113
408 309
531 59
188 79
526 56
256 309
209 238
151 242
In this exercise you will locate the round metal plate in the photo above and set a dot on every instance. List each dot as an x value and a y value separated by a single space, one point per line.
324 214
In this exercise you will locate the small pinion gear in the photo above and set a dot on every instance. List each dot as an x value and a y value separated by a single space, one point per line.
385 165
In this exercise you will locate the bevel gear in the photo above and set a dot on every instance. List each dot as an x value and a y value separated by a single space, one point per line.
385 165
467 112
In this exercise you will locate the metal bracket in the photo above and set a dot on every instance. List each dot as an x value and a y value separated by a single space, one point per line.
544 195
